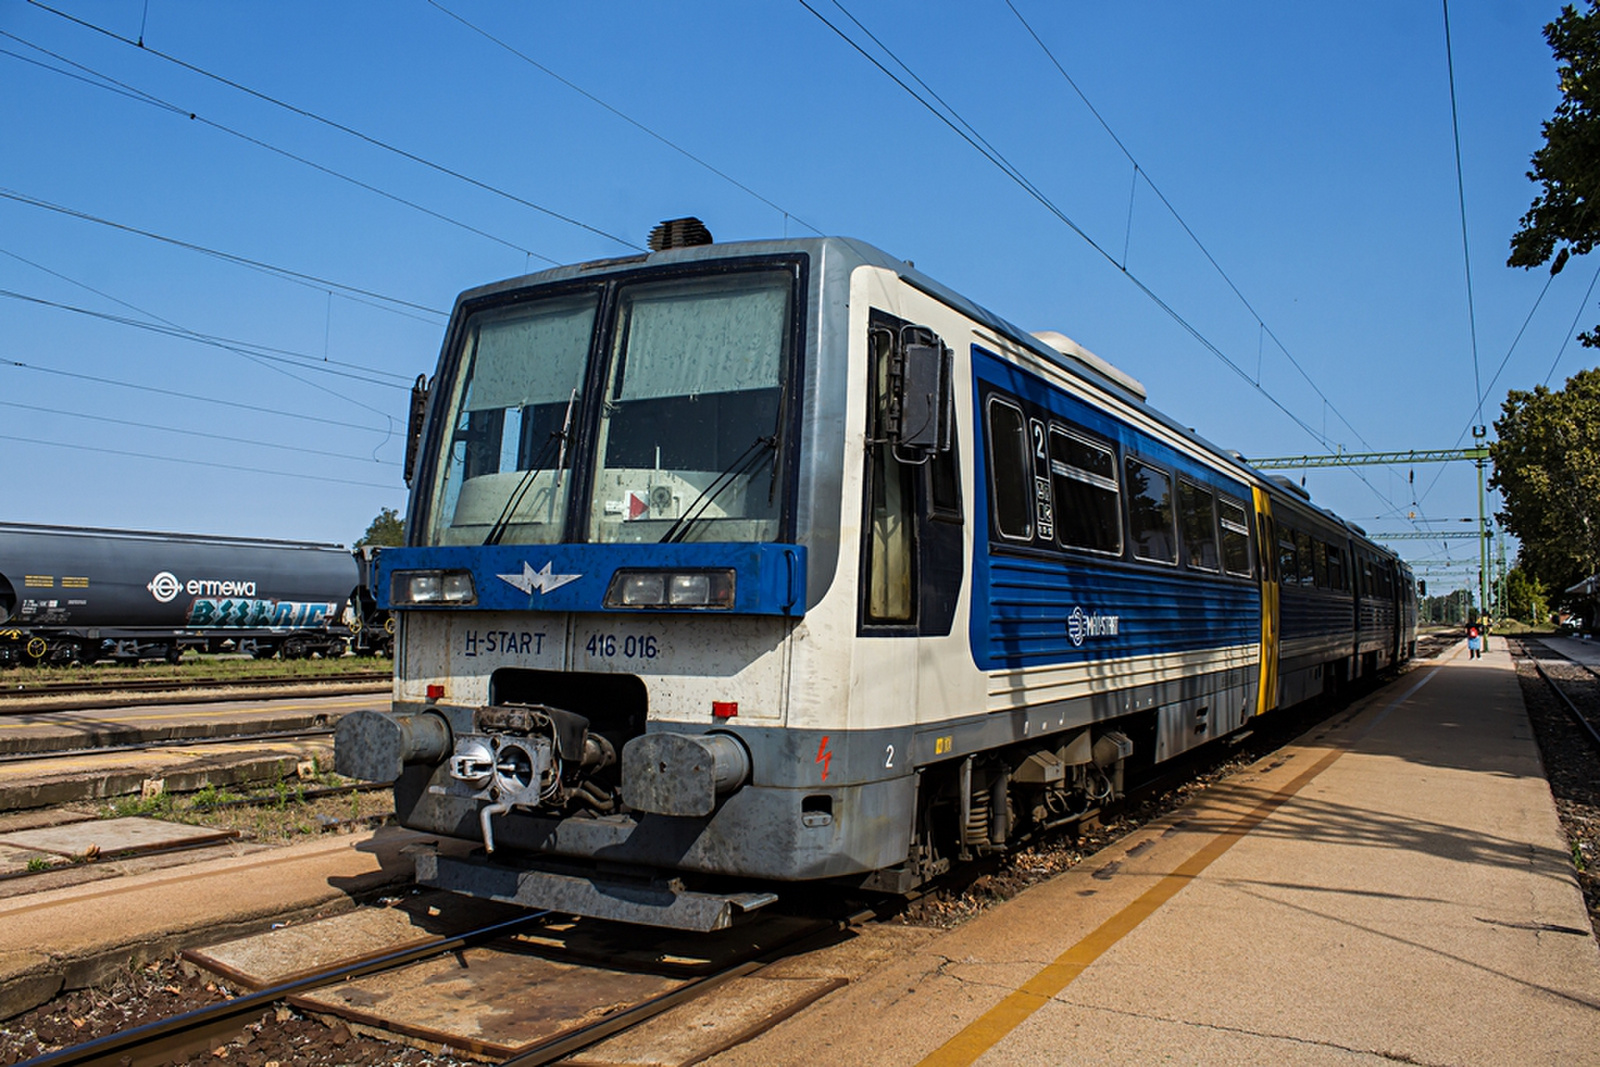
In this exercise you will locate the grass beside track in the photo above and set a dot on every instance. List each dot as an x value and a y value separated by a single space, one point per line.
242 668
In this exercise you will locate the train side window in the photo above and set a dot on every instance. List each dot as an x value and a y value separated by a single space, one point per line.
1319 554
1088 499
944 483
1288 569
1302 544
1336 569
891 543
1010 472
1235 536
1150 517
1198 514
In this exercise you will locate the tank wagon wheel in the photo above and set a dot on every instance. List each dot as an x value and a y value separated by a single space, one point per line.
294 648
173 653
334 650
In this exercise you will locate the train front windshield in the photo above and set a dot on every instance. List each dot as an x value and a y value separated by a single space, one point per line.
681 440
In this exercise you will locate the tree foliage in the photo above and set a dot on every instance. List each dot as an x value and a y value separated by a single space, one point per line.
387 529
1525 597
1565 216
1547 469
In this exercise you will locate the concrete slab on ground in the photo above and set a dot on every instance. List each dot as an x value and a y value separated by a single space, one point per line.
80 935
492 1001
110 837
103 776
43 730
1395 885
735 1012
294 951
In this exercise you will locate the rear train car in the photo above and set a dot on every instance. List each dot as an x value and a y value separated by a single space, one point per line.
70 594
739 565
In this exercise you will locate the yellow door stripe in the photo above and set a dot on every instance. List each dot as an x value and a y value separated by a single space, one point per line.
984 1032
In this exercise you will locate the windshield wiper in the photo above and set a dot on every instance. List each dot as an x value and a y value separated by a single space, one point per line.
747 462
540 462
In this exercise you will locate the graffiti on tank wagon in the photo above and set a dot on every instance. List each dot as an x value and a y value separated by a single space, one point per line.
243 613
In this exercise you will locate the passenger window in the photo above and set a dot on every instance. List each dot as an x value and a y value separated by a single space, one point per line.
1302 544
1010 477
1088 505
1336 568
1235 536
1288 569
1150 518
1319 552
1198 514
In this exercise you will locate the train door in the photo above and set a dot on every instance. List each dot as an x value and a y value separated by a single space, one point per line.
1266 559
911 553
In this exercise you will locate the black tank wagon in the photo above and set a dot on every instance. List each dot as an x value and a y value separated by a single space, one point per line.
73 594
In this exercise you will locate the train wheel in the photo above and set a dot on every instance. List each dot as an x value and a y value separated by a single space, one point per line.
88 652
293 648
173 653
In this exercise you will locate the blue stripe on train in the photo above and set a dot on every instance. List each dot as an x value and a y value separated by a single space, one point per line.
1035 610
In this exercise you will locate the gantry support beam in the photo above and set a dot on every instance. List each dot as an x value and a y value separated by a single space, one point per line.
1369 459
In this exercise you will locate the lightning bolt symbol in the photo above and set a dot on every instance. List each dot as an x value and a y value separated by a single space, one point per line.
824 757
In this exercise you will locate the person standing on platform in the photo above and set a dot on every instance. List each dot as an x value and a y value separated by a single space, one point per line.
1474 641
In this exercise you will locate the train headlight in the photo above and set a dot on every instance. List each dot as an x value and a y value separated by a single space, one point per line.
432 587
671 589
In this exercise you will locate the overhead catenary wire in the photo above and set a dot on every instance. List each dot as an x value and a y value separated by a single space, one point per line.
190 461
1461 202
235 439
341 127
963 129
248 349
110 84
392 304
1141 172
630 120
176 394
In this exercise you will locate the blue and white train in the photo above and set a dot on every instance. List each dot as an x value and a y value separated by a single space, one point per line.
735 565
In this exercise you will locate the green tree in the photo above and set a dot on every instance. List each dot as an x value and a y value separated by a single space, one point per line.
1525 597
387 529
1565 216
1547 469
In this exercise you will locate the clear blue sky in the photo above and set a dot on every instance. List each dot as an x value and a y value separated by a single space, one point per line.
1307 146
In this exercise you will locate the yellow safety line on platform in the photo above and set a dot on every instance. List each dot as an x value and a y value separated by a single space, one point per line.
986 1031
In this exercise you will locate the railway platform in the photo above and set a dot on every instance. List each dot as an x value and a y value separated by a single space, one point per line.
50 756
1393 887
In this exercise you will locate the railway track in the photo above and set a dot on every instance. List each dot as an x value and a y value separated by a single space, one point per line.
205 1029
1590 676
208 1028
24 691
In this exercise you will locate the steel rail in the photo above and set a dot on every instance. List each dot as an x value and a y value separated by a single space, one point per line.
563 1045
38 689
1572 709
193 1031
